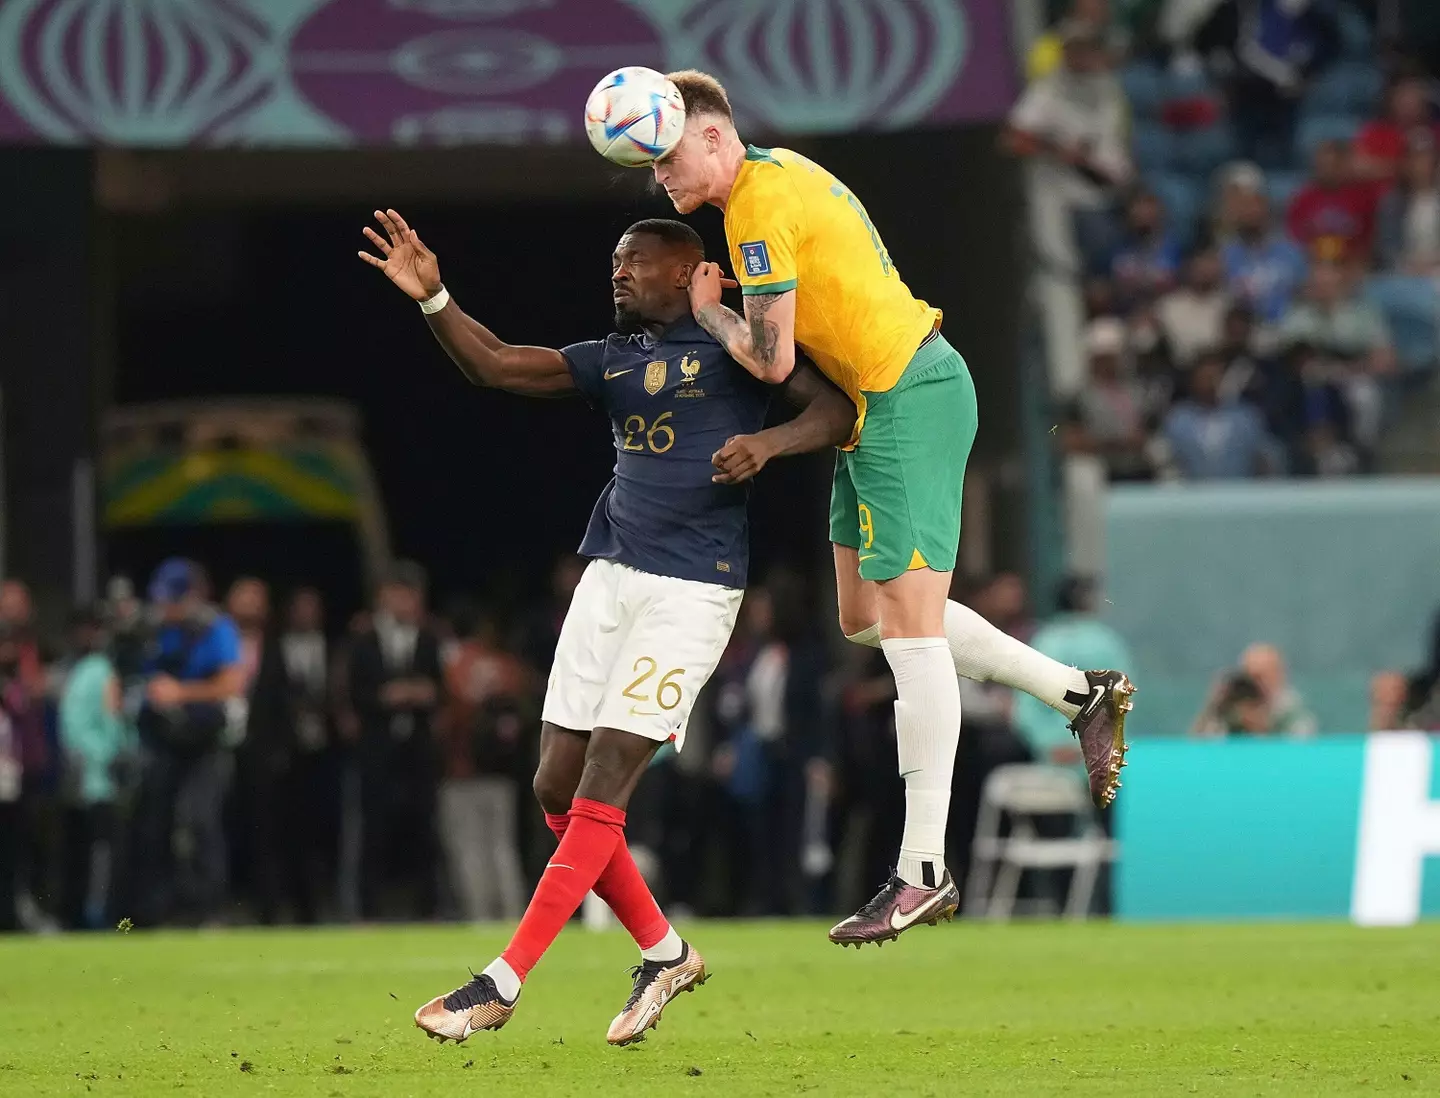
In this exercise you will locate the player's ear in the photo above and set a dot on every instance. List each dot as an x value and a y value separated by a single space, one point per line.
682 275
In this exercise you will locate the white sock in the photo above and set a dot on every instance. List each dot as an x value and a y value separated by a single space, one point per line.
986 654
666 949
927 732
506 982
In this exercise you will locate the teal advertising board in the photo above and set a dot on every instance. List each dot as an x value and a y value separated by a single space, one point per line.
1332 828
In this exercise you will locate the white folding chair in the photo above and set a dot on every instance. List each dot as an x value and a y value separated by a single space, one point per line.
1021 793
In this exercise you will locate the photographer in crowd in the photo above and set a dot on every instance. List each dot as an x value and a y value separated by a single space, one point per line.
191 693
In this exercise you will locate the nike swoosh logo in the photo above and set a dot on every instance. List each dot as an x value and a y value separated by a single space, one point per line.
618 373
867 556
557 865
469 1029
1098 695
903 920
642 712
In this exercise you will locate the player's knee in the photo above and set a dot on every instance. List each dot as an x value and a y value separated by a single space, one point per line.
858 628
553 789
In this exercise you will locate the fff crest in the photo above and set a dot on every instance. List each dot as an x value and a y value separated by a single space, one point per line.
655 376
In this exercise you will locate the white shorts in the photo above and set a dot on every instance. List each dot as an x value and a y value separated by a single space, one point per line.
635 650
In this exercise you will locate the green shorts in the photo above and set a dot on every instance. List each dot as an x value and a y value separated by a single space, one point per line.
896 497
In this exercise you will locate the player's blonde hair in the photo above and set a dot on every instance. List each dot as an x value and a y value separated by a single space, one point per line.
703 94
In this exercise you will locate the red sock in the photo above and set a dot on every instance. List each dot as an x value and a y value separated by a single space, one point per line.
624 889
591 838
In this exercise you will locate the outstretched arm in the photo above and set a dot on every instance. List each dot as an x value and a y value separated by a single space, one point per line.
485 360
827 418
763 340
482 357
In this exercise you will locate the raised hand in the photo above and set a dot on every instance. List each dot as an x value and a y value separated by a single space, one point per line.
404 259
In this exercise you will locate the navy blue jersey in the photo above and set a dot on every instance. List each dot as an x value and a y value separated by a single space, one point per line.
672 403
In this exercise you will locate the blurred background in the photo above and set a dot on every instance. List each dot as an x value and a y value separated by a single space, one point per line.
1189 248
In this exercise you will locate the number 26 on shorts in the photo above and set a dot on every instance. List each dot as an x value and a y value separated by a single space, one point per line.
667 690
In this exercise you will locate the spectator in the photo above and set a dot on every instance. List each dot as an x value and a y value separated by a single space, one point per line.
1389 702
1192 317
1262 267
1408 119
773 758
1256 699
1048 53
192 678
308 802
1264 51
1107 417
1209 438
1149 257
1288 715
1236 707
1075 636
1003 601
17 611
1352 346
282 827
95 736
1408 230
1237 182
487 715
394 679
1073 124
542 631
17 714
1333 215
125 624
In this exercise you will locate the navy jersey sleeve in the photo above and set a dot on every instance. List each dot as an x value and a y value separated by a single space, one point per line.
586 361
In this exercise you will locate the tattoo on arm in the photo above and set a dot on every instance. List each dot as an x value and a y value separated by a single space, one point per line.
726 325
764 334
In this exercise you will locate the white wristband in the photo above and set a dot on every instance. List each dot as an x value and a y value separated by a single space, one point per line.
436 303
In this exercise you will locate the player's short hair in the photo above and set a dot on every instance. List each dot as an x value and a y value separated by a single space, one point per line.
703 94
672 232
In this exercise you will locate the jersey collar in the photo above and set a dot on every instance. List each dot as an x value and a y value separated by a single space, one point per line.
682 330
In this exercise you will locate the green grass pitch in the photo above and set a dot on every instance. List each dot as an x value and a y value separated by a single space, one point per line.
959 1009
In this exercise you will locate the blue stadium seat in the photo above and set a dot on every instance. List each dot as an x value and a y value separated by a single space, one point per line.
1200 152
1318 128
1145 88
1351 87
1412 307
1281 187
1184 200
1153 147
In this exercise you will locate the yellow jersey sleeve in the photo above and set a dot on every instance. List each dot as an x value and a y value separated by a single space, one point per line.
764 230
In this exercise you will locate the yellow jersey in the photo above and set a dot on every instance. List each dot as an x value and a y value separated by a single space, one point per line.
791 225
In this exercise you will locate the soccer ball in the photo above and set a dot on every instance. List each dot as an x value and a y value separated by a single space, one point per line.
634 116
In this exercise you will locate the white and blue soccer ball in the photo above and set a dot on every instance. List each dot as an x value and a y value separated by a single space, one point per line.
634 116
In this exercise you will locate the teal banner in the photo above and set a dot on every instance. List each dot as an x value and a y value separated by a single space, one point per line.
1333 828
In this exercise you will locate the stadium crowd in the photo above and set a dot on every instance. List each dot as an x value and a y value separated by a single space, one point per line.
380 770
1253 191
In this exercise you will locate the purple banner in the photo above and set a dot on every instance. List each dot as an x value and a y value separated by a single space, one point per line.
411 72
